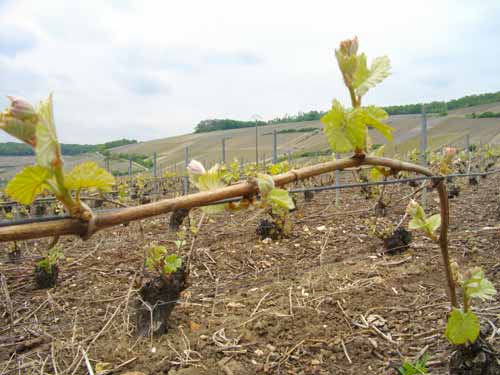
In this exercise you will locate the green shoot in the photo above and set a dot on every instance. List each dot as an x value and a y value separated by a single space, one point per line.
419 220
36 127
347 128
50 260
420 366
158 260
463 324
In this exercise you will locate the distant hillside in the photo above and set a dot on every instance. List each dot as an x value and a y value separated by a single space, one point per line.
406 109
21 149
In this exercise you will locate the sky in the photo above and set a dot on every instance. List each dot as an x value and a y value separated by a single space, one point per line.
153 69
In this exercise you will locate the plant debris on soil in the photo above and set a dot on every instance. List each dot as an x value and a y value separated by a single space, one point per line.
325 300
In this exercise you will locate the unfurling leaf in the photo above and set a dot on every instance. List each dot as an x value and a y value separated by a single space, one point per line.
155 255
433 223
265 183
344 129
462 327
365 79
280 198
195 167
420 221
89 175
27 184
172 263
478 286
374 117
48 152
23 130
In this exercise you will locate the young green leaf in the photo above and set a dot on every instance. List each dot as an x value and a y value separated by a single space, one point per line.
154 257
89 175
365 79
280 198
373 117
47 146
24 130
420 367
172 263
27 184
344 129
478 286
265 183
462 327
433 223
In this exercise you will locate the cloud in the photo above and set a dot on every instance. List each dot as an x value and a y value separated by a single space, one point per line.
14 40
155 69
144 85
231 58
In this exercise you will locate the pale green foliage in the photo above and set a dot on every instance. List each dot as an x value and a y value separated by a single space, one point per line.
347 129
420 221
462 327
232 172
47 146
376 173
158 260
420 367
89 175
344 130
278 168
217 177
171 264
365 79
27 184
212 179
22 130
279 198
37 128
478 286
20 121
50 260
273 196
265 183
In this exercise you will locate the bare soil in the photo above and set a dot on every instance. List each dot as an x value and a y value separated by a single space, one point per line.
326 300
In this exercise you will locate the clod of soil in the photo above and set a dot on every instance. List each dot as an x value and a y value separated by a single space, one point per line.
177 218
453 191
145 199
97 203
476 359
269 229
158 299
398 242
380 209
412 183
308 196
44 278
473 180
40 210
15 255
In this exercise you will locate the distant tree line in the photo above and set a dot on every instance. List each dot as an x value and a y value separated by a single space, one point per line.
438 107
21 149
141 159
484 115
292 130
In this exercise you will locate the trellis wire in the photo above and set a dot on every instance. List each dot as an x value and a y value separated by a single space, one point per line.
6 223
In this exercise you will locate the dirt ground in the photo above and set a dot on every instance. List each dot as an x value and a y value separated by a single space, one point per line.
326 300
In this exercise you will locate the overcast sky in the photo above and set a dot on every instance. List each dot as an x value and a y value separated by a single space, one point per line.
152 69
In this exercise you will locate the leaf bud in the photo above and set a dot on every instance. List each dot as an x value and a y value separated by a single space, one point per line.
195 167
